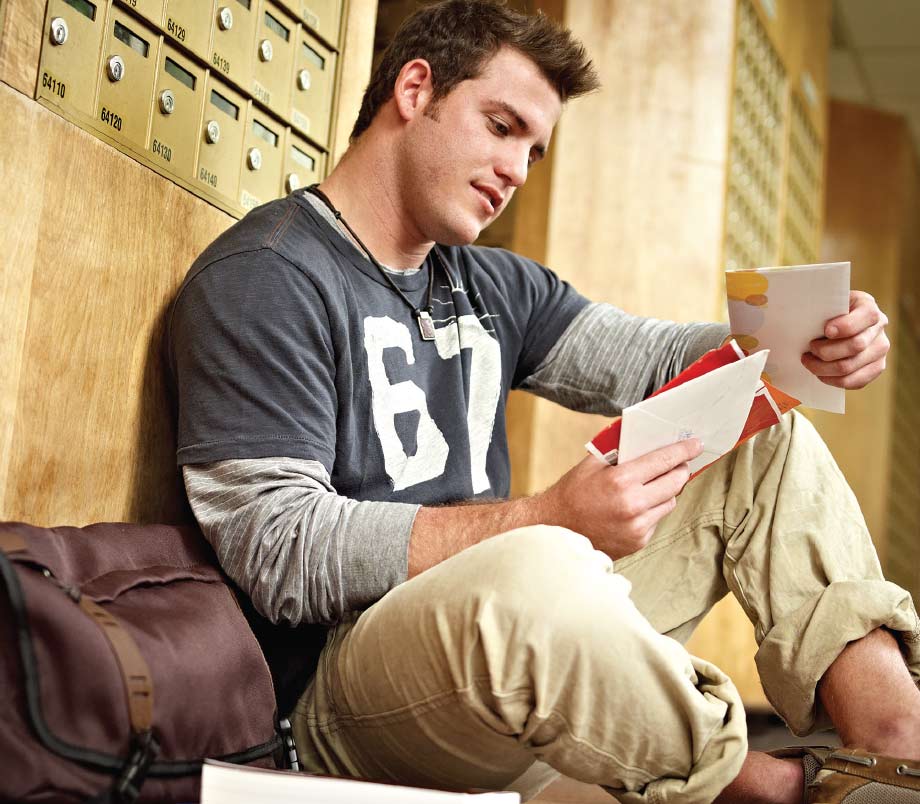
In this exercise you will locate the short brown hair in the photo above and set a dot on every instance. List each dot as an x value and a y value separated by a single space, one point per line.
458 37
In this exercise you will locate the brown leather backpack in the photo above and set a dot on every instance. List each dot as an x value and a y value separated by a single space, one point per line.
124 661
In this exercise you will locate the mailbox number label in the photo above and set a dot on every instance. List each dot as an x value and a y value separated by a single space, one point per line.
262 93
221 63
207 177
162 149
111 118
175 30
54 86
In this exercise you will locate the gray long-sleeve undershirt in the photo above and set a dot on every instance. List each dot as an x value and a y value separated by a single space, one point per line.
306 554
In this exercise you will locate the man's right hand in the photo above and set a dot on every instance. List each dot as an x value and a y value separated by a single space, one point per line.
618 507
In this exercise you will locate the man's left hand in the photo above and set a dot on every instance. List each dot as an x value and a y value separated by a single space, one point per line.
853 352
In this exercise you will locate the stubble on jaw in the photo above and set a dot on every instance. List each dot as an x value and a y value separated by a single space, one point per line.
433 110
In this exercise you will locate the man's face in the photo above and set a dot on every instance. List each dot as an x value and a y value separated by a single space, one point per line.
465 156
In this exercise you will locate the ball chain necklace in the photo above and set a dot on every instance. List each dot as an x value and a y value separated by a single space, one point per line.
422 314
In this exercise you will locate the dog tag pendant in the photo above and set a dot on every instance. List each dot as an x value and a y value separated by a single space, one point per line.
425 325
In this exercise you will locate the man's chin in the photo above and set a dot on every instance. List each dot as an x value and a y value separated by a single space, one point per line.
461 237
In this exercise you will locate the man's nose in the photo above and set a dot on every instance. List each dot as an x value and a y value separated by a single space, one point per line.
513 165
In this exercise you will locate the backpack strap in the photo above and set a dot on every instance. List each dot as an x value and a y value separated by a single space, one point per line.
135 673
11 542
134 670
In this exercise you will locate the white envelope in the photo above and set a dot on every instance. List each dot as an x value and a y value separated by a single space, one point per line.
712 408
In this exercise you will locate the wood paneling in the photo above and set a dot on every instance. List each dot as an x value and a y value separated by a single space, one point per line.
24 199
902 545
355 69
20 43
726 638
95 245
636 191
870 169
801 33
806 38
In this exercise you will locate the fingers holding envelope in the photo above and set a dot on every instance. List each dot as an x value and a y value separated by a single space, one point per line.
854 351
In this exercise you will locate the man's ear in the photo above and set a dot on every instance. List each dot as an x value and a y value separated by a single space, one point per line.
413 89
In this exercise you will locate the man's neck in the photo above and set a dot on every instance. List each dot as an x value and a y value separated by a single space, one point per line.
362 188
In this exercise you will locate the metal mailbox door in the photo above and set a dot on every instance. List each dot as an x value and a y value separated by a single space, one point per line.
189 23
177 102
71 51
220 142
234 26
303 164
324 17
314 71
149 9
127 75
271 76
292 7
262 160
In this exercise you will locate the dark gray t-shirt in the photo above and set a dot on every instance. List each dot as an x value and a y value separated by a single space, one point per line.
285 341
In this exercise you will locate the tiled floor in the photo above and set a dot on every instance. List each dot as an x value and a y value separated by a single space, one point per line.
765 731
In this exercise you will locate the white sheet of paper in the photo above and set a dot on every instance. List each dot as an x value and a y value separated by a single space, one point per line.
791 307
712 408
223 783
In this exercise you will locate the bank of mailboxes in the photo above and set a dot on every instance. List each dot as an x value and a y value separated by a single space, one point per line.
231 98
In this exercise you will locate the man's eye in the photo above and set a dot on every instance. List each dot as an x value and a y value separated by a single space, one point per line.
499 127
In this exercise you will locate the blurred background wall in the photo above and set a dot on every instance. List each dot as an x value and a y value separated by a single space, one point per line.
728 133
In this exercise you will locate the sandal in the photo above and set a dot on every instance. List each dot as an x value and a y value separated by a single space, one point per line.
854 776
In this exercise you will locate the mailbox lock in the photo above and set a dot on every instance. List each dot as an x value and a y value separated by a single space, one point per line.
58 31
225 18
292 182
265 50
115 67
212 132
167 101
254 159
303 80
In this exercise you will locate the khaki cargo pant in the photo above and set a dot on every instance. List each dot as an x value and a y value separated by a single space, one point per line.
530 646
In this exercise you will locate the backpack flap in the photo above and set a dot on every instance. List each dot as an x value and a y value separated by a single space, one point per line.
141 672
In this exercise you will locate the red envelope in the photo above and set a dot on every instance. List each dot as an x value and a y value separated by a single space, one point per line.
767 409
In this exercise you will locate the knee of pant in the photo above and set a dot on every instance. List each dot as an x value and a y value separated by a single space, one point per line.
792 431
539 574
543 559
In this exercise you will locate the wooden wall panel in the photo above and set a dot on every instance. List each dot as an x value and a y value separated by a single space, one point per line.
94 246
902 543
97 245
910 248
17 250
20 43
869 166
726 638
806 37
801 33
355 70
636 191
529 230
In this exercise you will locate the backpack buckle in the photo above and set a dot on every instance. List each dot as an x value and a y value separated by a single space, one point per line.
144 750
